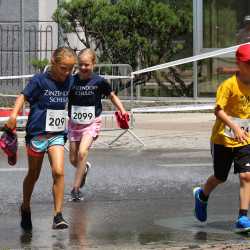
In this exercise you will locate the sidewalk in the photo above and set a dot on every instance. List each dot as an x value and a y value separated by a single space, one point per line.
165 131
160 131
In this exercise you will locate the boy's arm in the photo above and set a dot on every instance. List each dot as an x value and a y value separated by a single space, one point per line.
11 123
240 135
117 102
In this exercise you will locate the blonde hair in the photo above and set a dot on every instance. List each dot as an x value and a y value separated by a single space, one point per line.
61 53
89 52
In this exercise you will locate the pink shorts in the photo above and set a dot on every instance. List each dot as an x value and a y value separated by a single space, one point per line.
77 131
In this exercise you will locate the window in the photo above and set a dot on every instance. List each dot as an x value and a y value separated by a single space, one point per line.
222 22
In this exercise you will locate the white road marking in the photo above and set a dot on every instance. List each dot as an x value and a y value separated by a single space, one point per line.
11 169
186 164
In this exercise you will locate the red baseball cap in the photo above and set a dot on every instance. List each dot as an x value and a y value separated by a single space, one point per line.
243 53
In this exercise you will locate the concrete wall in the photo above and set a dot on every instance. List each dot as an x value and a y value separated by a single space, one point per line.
10 10
37 15
46 9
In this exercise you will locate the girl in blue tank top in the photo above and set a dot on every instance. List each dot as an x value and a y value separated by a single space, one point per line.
85 108
47 95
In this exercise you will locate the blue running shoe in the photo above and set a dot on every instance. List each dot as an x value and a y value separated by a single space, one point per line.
242 225
200 210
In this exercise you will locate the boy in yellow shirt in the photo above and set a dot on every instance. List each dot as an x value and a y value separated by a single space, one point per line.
230 141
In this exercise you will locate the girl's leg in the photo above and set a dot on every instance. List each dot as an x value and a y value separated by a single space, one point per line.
82 155
73 152
56 158
34 169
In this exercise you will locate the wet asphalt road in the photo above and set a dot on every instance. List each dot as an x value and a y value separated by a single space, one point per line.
134 199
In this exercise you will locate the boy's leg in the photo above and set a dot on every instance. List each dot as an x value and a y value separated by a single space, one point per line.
244 190
222 161
243 222
242 167
211 183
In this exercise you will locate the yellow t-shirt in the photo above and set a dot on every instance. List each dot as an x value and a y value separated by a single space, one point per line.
233 97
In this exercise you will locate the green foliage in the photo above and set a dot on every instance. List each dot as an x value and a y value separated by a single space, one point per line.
39 64
141 33
80 15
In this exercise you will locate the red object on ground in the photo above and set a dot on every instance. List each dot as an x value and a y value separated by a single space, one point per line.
122 120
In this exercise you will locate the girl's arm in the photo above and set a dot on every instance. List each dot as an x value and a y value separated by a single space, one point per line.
117 102
240 135
11 123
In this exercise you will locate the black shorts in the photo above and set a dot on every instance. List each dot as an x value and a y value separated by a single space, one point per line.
223 157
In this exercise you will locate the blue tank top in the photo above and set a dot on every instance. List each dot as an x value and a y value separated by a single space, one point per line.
89 93
43 93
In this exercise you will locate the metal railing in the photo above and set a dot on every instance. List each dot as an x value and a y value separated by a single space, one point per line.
38 45
108 117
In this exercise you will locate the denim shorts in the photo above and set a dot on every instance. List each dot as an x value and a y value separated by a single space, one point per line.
39 144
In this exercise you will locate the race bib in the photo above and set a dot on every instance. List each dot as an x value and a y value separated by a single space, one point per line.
55 120
243 123
83 114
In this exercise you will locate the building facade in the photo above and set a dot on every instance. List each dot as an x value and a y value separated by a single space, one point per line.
217 24
40 33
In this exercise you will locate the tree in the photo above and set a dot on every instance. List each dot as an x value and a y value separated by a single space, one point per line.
39 64
139 32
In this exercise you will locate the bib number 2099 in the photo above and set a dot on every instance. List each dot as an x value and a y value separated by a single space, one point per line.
83 114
